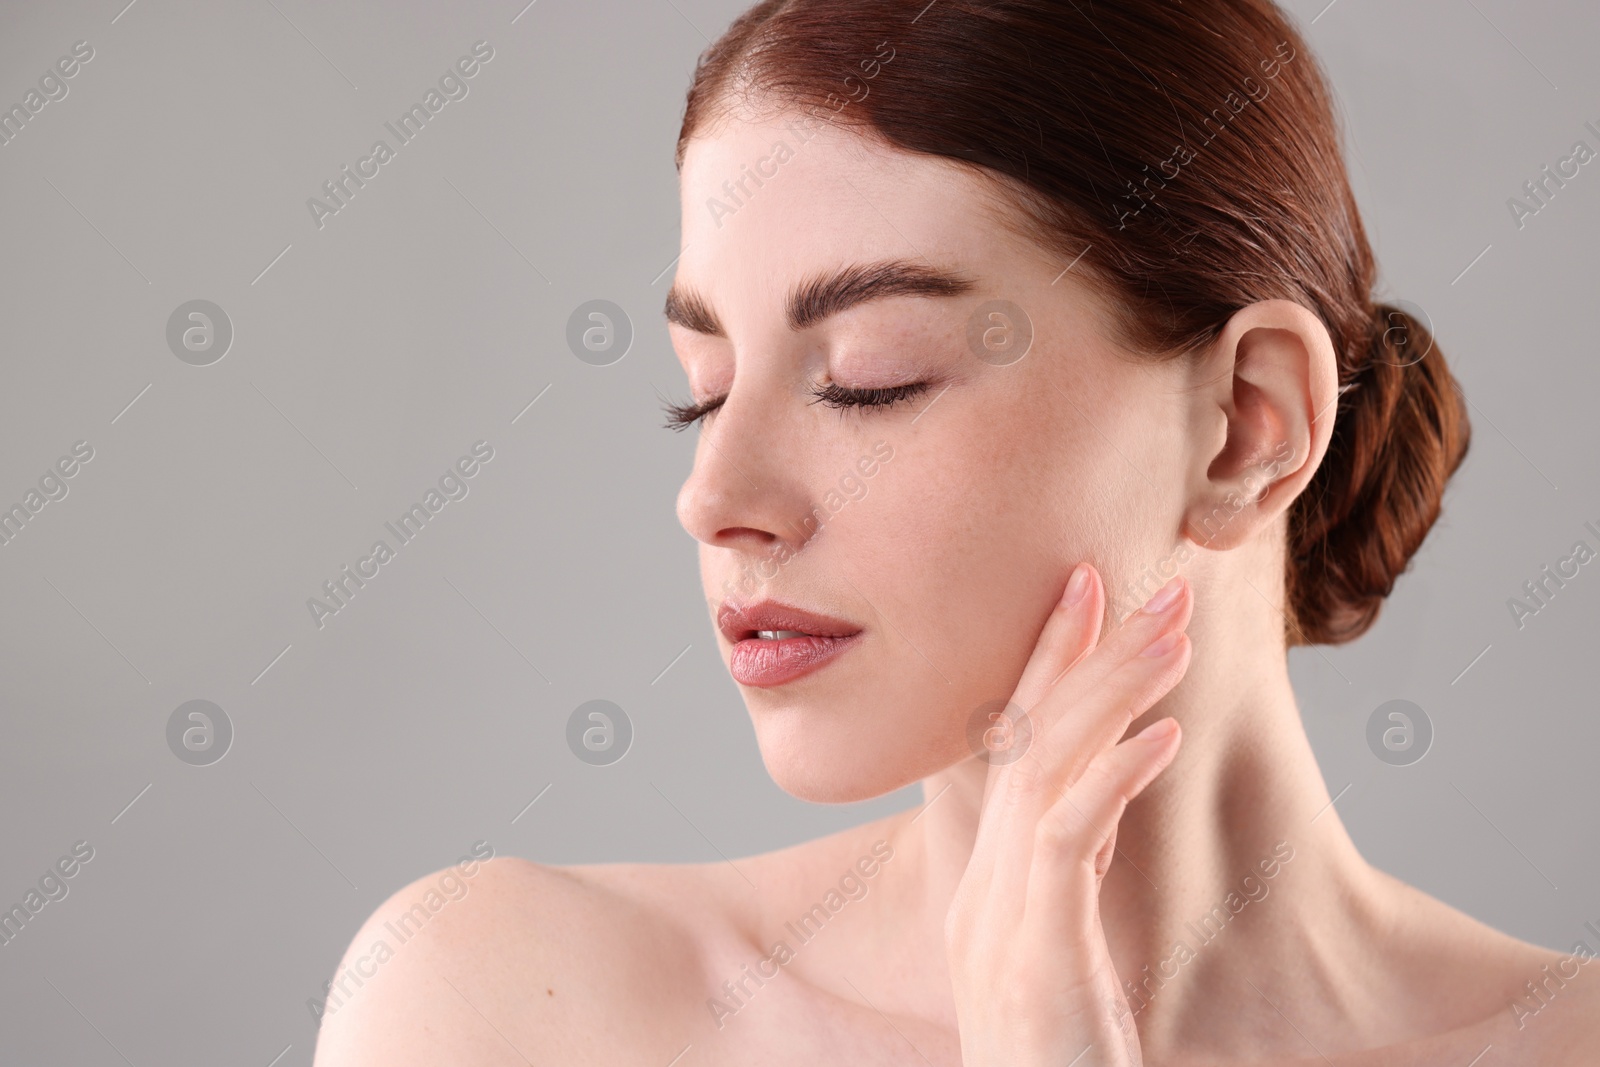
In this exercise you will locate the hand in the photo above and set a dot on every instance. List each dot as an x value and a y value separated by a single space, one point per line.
1033 978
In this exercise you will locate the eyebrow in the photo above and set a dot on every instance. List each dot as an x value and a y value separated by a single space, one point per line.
829 293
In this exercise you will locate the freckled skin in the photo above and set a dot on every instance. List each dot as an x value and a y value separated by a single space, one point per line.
951 563
1013 471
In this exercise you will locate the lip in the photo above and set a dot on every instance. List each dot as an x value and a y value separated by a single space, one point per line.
738 622
766 663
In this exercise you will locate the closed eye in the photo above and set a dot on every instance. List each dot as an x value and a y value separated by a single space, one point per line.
680 416
836 396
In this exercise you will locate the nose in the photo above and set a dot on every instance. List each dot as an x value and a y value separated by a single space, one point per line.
747 489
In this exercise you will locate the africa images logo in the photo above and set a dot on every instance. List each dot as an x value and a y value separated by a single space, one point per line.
453 485
452 86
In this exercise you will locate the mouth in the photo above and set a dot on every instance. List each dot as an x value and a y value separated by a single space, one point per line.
776 643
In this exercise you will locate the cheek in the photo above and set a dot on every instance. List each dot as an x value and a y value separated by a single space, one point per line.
959 550
970 533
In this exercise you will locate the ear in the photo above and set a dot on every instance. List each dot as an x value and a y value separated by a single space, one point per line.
1264 396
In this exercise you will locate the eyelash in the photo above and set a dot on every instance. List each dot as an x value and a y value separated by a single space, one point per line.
680 416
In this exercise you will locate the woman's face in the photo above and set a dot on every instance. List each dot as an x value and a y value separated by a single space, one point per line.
943 526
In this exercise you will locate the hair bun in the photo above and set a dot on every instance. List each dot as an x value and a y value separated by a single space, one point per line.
1401 430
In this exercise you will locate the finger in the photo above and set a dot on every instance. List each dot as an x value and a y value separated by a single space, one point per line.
1066 698
1101 689
1093 707
1075 838
1068 635
1002 847
1080 716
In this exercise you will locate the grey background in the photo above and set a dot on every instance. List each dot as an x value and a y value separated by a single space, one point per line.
426 316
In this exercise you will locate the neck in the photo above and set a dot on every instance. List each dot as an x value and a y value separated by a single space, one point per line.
1230 864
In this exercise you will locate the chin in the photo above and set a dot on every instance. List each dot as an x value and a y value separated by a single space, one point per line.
825 764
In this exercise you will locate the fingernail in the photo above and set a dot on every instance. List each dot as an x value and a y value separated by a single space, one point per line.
1165 597
1159 730
1163 644
1077 585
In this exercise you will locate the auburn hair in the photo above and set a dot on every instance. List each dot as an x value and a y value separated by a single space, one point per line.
1185 154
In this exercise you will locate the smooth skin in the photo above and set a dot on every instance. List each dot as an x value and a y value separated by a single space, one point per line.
1019 898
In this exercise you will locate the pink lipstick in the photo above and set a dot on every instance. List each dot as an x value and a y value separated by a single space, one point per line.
774 643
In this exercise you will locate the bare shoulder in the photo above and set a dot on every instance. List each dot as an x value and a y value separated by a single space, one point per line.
1538 1005
1557 1019
505 960
1551 1012
510 960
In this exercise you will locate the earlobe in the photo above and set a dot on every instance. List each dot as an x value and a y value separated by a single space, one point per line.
1262 384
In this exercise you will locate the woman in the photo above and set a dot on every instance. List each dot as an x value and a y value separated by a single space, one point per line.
1093 283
